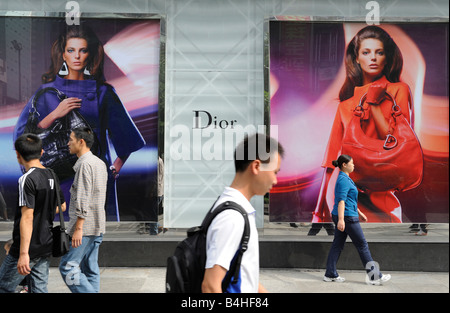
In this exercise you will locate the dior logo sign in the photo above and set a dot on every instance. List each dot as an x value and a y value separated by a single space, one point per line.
204 119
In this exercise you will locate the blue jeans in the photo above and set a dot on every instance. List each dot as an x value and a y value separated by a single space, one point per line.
354 230
38 278
79 267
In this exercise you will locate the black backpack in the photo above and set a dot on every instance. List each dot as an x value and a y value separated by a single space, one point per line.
186 268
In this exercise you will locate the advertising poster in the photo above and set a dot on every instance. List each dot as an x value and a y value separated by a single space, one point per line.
118 95
313 104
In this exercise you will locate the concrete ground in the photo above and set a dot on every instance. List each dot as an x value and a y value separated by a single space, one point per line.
279 280
152 280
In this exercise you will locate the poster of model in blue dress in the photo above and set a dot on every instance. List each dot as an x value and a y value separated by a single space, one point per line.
107 70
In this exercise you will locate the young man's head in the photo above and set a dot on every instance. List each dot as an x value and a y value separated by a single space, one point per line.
28 147
258 158
80 141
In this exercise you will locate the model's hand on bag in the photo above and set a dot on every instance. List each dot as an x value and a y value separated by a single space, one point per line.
66 106
376 93
63 108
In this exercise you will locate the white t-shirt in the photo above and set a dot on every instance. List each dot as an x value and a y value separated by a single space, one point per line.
224 237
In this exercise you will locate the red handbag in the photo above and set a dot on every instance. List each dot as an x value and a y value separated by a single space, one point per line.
395 163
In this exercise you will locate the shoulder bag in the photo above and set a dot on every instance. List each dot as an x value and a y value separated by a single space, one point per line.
392 164
61 238
55 138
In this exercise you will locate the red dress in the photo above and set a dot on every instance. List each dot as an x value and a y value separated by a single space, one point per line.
377 206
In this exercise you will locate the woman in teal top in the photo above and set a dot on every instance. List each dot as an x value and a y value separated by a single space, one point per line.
347 192
346 216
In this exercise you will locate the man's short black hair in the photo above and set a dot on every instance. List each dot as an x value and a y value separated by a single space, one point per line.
86 134
256 147
29 146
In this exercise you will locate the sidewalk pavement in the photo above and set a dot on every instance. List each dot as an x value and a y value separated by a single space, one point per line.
152 280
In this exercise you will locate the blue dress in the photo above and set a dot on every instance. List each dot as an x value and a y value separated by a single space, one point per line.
102 108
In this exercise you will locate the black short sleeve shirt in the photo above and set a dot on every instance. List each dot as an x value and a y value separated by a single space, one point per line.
37 191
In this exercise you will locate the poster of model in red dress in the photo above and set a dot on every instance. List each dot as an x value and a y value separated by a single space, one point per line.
319 73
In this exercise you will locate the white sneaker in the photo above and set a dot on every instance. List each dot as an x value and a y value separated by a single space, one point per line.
380 281
338 279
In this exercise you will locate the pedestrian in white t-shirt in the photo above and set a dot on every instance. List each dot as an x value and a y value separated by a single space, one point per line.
257 161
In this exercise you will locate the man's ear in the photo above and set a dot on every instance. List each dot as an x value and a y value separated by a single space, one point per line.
19 158
42 152
255 167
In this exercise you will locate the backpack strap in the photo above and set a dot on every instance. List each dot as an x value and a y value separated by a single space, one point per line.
236 264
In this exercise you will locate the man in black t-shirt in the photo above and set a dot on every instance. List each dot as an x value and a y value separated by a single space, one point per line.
32 247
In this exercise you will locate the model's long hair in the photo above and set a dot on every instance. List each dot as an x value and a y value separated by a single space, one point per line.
354 75
95 48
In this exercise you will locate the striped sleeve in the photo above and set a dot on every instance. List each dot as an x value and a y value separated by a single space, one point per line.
26 191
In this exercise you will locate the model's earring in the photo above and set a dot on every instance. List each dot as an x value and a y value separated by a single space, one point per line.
63 71
86 71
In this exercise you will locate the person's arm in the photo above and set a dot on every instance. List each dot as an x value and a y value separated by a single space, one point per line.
61 110
123 132
61 197
340 195
322 210
341 210
376 95
26 229
362 216
223 240
381 124
262 289
84 191
117 165
77 236
212 281
63 207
